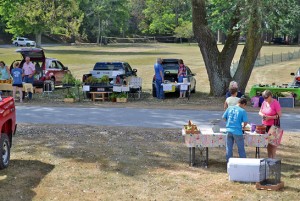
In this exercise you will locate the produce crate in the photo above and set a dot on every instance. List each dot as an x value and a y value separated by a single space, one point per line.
270 187
121 100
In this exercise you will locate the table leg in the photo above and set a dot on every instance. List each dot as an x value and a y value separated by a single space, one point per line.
257 154
192 156
206 165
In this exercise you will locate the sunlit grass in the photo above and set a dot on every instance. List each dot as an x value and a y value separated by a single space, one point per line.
81 59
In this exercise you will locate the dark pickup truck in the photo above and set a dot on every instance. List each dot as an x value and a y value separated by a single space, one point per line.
115 71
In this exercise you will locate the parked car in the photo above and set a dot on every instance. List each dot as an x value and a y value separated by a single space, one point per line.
279 41
21 41
171 67
46 68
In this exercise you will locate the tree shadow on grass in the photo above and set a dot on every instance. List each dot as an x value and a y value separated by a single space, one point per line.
88 52
22 176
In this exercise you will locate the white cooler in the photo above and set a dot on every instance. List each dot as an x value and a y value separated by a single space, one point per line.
246 169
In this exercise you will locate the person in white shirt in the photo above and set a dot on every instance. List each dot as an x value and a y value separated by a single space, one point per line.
233 99
28 73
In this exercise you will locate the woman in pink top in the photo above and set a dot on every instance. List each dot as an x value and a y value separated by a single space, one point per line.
270 111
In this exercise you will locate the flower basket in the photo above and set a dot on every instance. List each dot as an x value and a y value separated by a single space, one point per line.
121 100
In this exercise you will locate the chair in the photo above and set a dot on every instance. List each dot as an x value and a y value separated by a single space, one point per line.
135 84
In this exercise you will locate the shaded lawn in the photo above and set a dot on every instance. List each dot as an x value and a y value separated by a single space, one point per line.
117 163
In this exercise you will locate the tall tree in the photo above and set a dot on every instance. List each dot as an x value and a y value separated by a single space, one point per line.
103 17
233 16
36 16
162 17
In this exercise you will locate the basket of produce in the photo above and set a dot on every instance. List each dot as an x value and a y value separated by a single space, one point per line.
261 129
191 128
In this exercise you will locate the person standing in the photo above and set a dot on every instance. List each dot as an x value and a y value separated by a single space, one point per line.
233 84
4 71
232 100
270 111
181 75
28 73
16 73
159 78
235 116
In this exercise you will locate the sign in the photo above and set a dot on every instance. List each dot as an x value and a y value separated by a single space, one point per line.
86 88
286 101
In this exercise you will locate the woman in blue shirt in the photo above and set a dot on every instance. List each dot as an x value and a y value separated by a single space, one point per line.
4 71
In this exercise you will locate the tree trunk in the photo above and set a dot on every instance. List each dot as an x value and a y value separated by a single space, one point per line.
217 63
99 30
38 38
221 38
254 42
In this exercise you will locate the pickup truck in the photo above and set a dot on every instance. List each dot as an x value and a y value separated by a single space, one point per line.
113 70
8 128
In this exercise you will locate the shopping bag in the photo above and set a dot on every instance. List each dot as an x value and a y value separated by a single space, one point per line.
275 133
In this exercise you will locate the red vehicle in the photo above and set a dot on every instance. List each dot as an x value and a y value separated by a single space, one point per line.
8 128
46 68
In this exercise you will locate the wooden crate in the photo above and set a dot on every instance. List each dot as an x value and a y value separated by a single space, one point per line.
121 100
69 100
275 187
38 90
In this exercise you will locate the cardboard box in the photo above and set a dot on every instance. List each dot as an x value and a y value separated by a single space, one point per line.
246 169
38 90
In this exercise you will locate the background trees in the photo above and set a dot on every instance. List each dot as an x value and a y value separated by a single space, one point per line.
257 20
37 17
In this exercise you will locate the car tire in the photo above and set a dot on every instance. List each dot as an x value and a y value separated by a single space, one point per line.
28 44
4 150
194 90
16 44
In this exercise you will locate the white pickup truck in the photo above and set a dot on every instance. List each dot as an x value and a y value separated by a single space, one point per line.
21 41
110 69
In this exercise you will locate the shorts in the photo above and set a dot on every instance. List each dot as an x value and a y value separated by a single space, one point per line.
17 85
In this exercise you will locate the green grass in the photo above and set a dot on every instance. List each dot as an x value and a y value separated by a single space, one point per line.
81 59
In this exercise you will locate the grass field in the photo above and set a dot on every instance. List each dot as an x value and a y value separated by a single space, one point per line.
81 59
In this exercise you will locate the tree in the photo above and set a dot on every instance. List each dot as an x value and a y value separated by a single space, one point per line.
104 17
36 16
185 30
233 17
162 17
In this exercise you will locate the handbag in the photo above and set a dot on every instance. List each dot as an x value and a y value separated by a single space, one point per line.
275 133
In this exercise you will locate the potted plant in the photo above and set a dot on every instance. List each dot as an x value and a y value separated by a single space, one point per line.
68 80
113 97
122 97
70 97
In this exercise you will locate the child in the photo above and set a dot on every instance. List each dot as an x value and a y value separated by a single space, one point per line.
231 100
16 73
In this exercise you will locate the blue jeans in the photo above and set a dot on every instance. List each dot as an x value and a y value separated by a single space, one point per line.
28 79
180 80
159 89
239 139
